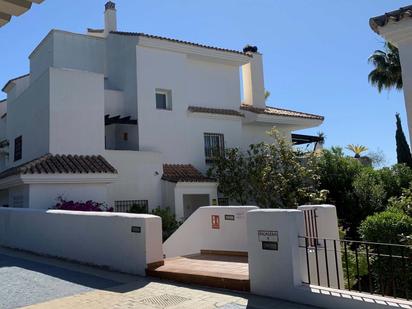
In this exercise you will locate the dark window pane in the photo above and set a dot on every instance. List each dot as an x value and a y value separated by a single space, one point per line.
18 146
161 101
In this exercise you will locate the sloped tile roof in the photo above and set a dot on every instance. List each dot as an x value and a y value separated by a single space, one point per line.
63 164
183 173
210 110
280 112
150 36
395 16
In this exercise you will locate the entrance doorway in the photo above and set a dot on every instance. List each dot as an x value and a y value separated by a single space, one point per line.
191 202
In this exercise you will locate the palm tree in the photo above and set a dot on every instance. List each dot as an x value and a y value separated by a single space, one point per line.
357 149
387 73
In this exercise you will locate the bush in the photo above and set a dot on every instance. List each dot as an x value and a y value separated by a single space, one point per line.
169 222
272 175
138 209
390 226
81 206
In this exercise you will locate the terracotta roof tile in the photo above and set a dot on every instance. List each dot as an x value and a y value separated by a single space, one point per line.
279 112
183 173
395 16
178 41
210 110
63 164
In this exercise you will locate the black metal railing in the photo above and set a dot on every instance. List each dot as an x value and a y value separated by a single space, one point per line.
311 225
376 268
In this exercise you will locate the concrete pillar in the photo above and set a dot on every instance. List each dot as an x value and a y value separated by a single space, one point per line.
273 247
328 234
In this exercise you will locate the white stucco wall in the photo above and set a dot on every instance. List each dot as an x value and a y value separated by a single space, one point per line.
166 131
76 112
197 234
139 176
102 239
114 104
28 115
61 49
44 196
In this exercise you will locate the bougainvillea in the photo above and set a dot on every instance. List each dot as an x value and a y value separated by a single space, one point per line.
62 204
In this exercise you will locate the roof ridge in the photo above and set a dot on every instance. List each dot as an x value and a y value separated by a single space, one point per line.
152 36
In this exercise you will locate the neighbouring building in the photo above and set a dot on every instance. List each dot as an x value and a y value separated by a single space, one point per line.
396 28
130 118
10 8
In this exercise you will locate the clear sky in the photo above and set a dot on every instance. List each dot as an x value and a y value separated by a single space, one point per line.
315 51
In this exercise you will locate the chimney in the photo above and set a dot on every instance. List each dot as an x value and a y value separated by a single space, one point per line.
253 81
110 18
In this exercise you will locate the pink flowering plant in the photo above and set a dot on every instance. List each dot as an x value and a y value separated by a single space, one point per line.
62 204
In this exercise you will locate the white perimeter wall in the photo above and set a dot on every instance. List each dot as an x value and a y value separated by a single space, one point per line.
197 233
139 176
102 239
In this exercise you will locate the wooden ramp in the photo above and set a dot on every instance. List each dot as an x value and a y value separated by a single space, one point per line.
228 270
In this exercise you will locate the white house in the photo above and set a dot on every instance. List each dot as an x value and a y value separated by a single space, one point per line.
396 28
130 118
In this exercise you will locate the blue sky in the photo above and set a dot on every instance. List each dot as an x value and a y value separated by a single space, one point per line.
315 52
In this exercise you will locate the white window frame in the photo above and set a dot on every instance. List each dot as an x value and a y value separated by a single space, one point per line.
168 96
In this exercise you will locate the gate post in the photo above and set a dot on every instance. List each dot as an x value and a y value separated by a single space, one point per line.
273 248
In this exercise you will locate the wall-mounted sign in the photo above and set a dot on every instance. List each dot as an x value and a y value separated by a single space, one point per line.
270 245
268 236
136 229
215 222
230 217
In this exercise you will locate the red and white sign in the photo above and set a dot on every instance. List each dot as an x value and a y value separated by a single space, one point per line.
215 222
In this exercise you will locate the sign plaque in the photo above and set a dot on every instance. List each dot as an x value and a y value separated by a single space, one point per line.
215 222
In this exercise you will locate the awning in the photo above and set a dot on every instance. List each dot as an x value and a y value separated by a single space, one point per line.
9 8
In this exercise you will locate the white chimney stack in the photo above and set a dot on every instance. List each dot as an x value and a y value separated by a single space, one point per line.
110 18
253 81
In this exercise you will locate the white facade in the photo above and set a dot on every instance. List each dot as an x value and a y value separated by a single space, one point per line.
95 94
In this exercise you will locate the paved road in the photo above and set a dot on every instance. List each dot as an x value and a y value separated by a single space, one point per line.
46 283
24 282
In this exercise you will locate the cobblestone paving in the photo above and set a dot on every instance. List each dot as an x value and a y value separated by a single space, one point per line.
40 282
136 295
24 282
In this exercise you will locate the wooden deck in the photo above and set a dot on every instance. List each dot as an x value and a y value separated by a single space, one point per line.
213 270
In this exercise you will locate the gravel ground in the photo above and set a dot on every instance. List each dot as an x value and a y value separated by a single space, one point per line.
24 282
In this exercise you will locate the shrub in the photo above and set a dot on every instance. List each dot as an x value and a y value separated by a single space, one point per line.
169 222
62 204
138 209
390 226
272 175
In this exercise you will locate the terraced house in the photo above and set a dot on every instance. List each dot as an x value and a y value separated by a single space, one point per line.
130 118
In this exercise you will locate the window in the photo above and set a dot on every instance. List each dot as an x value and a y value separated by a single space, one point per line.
125 136
125 206
214 146
163 99
18 145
